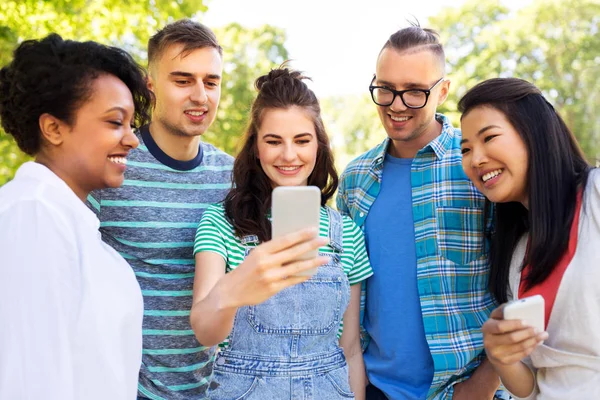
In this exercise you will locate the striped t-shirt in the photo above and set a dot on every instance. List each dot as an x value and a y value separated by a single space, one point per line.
216 234
151 221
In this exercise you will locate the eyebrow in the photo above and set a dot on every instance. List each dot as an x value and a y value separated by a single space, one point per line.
190 75
279 137
116 108
408 86
482 130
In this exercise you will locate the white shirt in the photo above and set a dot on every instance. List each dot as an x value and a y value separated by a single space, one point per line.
70 307
567 364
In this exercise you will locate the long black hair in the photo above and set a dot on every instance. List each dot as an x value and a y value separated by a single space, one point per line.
556 169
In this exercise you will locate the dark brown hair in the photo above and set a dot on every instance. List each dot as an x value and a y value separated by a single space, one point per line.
247 205
556 168
414 38
192 35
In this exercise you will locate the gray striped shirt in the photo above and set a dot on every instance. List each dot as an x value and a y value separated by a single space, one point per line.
151 221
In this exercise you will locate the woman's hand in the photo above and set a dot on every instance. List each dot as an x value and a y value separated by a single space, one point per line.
270 268
507 342
267 270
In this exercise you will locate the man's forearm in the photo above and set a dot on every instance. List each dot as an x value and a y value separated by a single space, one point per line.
482 384
486 376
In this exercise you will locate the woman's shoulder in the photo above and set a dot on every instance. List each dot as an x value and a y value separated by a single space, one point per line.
593 183
215 213
216 210
349 225
592 192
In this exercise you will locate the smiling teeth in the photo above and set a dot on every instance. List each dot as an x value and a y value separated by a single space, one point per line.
491 175
118 160
196 113
399 119
288 168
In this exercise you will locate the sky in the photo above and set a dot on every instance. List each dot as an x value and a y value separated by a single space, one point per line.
335 42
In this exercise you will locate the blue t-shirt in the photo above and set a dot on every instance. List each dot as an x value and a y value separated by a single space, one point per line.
398 359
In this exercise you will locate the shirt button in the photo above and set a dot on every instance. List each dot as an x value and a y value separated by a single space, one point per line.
220 361
362 214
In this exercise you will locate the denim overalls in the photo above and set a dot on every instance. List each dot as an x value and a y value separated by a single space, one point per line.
287 348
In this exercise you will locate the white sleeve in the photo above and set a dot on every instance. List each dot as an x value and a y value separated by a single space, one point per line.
592 200
39 297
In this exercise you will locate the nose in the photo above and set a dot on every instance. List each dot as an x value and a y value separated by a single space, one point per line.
397 105
129 139
478 158
198 94
289 153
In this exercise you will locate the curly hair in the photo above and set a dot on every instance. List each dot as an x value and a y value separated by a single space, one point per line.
247 204
55 76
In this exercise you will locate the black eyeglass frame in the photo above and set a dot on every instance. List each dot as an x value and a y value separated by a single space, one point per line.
401 93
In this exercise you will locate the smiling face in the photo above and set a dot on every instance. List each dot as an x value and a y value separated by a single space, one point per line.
494 155
410 70
91 153
287 146
187 89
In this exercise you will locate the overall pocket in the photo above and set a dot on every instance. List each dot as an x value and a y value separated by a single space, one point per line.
338 378
230 386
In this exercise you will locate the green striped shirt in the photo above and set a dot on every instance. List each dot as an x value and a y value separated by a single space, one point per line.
216 234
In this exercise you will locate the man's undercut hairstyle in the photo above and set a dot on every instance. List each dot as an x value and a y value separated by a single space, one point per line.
414 39
192 35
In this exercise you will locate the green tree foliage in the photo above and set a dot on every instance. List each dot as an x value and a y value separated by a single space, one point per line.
553 43
125 23
128 24
353 126
247 54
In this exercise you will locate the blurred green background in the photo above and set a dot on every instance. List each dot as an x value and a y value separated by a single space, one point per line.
552 43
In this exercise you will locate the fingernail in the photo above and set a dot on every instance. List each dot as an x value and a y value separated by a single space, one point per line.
545 335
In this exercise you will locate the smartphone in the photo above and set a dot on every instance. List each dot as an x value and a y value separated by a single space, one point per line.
530 310
295 208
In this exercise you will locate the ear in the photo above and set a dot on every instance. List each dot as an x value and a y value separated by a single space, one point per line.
444 90
150 86
150 83
53 130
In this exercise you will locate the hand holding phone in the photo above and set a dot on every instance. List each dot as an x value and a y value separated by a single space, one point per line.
514 330
295 208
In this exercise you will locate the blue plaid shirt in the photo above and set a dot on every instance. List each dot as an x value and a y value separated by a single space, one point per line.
452 260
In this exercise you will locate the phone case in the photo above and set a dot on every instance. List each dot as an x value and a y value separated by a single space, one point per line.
295 208
529 309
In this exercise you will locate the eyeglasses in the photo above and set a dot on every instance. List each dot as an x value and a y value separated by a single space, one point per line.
412 98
